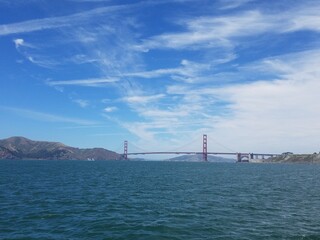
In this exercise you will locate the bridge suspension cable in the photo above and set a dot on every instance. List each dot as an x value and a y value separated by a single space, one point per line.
139 149
220 144
194 141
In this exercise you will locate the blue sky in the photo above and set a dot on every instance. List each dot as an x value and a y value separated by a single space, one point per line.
160 73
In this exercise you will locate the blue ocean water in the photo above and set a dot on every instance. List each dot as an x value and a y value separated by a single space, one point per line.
158 200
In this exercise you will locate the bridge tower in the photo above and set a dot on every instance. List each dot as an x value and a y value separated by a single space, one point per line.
125 150
205 148
239 157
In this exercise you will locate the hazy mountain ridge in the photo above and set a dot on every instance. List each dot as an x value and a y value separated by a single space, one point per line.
23 148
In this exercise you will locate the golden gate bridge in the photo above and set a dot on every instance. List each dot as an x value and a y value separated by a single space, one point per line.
240 156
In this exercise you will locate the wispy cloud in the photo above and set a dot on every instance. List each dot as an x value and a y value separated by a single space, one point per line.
106 46
142 99
110 109
81 102
57 22
231 4
179 115
213 31
207 32
188 72
93 32
42 61
47 117
27 50
91 82
19 42
82 58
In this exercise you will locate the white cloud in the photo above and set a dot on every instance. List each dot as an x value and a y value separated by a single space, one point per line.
207 32
81 102
91 82
275 115
213 31
142 99
188 72
18 42
139 130
57 22
41 61
100 45
305 18
107 46
182 116
82 58
231 4
27 50
110 109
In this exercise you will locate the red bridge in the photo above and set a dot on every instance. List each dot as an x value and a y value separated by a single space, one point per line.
241 156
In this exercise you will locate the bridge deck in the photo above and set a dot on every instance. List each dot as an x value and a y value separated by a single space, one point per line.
209 153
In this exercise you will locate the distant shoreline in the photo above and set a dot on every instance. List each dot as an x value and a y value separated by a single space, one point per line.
294 158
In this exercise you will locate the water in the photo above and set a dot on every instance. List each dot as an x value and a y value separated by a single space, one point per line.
158 200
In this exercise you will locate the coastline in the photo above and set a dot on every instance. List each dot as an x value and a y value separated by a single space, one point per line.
293 158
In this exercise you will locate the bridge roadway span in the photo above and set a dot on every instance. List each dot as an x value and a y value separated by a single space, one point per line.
209 153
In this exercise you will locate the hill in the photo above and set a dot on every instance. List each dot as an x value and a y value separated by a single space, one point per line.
295 158
23 148
198 158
